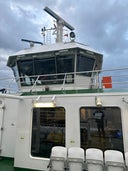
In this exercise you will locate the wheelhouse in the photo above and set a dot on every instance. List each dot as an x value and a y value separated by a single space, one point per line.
66 64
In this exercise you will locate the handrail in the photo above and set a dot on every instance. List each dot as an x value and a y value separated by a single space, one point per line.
119 80
64 80
34 85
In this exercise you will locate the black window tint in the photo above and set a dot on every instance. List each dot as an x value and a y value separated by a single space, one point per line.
65 64
48 130
26 67
26 71
51 69
45 66
85 63
101 128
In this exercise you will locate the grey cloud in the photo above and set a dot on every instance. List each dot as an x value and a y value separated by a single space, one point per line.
103 16
15 27
100 24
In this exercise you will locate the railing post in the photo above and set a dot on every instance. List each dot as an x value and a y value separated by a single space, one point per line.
97 80
64 81
34 85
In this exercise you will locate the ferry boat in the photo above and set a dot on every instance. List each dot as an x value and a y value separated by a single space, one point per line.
68 113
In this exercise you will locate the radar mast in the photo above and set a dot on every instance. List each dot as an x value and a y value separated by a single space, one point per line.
60 24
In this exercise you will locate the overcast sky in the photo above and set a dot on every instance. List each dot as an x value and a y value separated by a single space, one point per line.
101 24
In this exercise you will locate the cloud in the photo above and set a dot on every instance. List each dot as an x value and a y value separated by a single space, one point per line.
5 72
15 24
100 24
104 21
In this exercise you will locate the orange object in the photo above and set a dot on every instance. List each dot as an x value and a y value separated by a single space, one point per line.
107 82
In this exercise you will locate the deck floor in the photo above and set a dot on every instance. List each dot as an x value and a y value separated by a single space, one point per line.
7 164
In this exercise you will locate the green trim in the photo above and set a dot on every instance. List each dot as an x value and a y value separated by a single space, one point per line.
7 164
79 91
23 169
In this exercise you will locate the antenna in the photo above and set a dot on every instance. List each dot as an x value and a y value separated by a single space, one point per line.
31 42
60 24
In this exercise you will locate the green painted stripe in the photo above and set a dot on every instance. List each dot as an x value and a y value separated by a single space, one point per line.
62 92
7 164
23 169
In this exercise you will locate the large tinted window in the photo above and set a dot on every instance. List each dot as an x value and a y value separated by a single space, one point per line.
65 64
48 130
56 66
45 66
26 67
26 70
101 128
85 63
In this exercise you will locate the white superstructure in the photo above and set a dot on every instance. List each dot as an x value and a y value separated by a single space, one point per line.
64 99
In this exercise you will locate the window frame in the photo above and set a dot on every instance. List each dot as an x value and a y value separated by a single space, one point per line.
48 132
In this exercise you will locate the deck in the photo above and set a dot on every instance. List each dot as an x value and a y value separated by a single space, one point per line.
7 164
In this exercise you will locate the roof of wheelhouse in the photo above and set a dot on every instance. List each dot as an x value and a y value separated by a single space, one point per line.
50 48
54 47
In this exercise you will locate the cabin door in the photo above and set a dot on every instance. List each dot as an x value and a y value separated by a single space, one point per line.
101 128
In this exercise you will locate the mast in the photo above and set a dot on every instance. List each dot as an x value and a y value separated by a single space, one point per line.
60 24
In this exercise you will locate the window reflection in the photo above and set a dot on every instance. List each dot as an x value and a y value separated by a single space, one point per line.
29 69
101 128
65 64
30 66
48 130
26 71
45 66
85 63
99 118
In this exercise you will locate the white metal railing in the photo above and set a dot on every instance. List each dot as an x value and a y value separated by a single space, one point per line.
118 76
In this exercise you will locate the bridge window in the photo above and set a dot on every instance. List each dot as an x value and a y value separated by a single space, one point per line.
48 130
26 71
85 63
65 64
46 68
26 67
101 128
